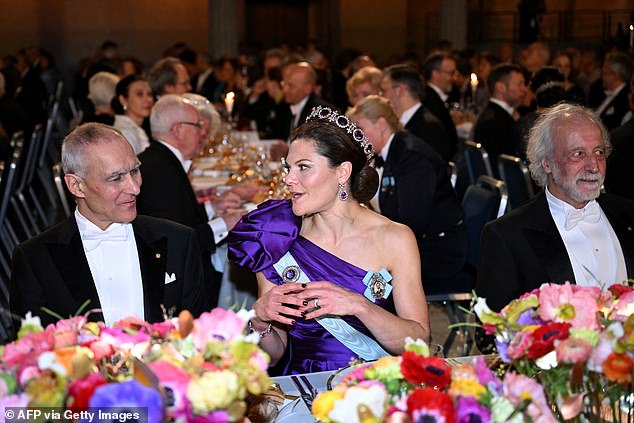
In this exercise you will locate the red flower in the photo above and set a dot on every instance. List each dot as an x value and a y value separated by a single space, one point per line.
544 339
80 391
432 371
618 368
617 289
430 405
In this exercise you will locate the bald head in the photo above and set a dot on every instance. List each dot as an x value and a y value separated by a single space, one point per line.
298 82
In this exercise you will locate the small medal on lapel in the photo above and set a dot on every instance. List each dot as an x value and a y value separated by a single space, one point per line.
290 274
377 284
388 183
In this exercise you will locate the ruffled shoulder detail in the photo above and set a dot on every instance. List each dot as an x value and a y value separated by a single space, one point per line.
263 236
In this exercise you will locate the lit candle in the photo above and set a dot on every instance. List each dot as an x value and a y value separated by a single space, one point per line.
631 36
229 99
474 87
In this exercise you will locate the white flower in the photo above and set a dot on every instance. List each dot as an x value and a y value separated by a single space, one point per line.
30 320
245 315
548 361
481 307
48 360
346 409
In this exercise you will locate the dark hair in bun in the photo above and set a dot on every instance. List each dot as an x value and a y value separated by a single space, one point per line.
337 146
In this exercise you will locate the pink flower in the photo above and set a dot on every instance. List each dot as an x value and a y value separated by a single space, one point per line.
518 388
175 381
565 304
132 323
65 331
623 306
26 350
27 373
162 329
219 324
17 400
520 344
100 349
119 338
573 350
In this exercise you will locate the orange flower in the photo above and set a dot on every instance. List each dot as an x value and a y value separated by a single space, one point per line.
618 368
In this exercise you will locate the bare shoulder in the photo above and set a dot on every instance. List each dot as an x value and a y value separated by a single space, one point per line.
388 232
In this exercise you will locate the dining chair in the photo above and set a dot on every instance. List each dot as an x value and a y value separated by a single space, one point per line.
453 304
483 201
518 182
477 161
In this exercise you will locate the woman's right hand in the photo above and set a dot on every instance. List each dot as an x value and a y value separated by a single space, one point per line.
280 304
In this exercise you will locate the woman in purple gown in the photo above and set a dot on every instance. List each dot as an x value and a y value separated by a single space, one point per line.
336 280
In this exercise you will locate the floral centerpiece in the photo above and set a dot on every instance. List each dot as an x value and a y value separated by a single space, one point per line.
579 341
418 387
183 369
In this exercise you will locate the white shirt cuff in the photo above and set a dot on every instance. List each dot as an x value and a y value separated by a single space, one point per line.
219 228
211 213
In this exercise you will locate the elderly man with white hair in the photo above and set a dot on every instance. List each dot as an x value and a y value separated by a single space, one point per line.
569 231
178 131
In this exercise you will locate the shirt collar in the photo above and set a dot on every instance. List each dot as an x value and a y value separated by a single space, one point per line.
83 224
558 206
296 109
443 96
615 91
386 148
185 163
503 104
408 113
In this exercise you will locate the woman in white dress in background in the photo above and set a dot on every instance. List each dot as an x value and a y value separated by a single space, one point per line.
133 105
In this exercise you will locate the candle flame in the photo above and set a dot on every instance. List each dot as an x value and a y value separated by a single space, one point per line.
474 80
230 95
631 27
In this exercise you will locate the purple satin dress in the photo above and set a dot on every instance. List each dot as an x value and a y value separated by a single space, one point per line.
259 240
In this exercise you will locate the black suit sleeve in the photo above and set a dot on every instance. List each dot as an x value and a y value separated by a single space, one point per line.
415 191
194 296
26 292
498 276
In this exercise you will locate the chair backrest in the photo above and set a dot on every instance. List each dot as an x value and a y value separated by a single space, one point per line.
518 182
477 160
28 161
483 201
48 133
453 173
58 178
7 185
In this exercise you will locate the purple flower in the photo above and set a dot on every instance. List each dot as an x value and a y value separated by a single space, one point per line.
220 416
502 351
468 410
129 396
485 375
527 318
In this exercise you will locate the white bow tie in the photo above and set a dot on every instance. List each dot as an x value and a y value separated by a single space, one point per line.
93 237
590 214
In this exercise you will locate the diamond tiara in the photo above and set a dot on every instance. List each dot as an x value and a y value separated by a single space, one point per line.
342 121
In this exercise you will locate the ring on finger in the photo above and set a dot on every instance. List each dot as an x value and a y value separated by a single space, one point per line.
316 302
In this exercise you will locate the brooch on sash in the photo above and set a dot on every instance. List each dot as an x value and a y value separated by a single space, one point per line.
377 284
290 274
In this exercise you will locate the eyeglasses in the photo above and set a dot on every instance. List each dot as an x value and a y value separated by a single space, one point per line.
200 124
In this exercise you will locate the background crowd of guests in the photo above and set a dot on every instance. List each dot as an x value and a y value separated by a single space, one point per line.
167 110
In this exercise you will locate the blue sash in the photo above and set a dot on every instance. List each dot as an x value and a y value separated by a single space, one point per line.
361 344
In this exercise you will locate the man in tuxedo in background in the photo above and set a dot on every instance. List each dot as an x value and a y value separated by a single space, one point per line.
569 231
439 71
415 191
615 76
403 87
298 85
167 191
122 264
495 127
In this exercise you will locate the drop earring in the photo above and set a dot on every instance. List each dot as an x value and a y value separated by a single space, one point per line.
343 194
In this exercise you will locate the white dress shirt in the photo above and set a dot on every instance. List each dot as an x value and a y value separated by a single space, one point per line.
374 202
609 96
443 95
407 114
503 104
296 110
114 265
593 248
